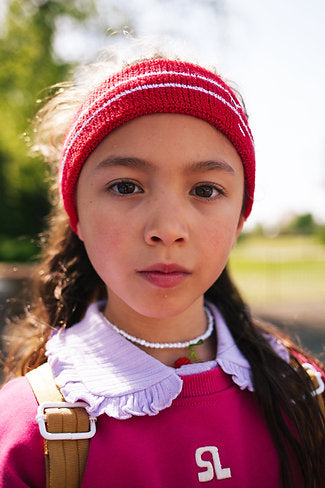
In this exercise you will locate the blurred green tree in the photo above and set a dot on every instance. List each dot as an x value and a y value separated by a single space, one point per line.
28 64
304 224
301 225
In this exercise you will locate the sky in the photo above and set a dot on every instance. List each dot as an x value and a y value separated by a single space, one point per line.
274 52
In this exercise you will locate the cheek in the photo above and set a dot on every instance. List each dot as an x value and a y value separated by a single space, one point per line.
101 233
98 222
223 232
106 239
218 242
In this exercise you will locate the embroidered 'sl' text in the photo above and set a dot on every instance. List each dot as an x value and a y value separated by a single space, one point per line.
212 468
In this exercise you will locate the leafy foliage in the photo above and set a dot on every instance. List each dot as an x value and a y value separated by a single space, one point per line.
28 64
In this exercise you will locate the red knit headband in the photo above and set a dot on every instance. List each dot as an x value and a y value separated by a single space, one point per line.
154 86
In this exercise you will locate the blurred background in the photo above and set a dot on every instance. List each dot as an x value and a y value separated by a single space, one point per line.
272 49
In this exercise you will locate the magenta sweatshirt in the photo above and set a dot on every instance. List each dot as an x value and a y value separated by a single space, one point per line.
213 434
157 427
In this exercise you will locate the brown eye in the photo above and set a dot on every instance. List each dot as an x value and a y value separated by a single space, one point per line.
206 191
124 187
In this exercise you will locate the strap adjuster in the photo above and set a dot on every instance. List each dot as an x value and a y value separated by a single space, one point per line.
41 419
312 371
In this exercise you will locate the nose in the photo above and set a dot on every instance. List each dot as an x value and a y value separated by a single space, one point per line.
166 224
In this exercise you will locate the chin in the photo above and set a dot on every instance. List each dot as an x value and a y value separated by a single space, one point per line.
165 307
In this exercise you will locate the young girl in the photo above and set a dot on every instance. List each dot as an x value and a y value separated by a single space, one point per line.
135 311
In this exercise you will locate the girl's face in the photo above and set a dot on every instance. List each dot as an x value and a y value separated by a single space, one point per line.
159 204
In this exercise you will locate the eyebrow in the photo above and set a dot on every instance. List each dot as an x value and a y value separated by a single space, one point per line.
128 162
212 166
138 163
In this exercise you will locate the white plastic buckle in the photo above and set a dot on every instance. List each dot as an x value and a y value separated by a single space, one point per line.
41 419
321 387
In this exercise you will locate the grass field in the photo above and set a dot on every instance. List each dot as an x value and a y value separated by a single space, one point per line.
283 270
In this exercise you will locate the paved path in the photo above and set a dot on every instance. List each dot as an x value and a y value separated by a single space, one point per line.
305 323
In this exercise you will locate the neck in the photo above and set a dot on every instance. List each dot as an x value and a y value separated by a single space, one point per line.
167 327
204 352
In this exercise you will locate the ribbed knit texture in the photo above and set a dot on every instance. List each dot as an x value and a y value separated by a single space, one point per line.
205 383
155 86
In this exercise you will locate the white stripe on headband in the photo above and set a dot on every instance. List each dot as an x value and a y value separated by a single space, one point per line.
148 87
157 73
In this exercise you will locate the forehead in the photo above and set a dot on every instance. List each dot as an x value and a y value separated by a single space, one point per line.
167 139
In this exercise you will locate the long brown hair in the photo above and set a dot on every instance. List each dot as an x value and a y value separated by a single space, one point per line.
66 284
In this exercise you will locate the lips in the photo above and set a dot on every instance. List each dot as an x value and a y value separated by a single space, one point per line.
164 275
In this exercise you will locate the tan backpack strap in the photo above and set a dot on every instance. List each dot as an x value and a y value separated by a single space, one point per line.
65 460
43 384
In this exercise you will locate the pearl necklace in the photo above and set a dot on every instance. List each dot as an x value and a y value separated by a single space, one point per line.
169 345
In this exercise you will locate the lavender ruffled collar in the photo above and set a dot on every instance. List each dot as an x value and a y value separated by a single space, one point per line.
93 363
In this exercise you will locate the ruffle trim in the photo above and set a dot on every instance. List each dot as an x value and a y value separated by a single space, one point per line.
240 375
126 383
118 390
145 402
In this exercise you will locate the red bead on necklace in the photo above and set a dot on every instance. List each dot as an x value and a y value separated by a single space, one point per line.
192 358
